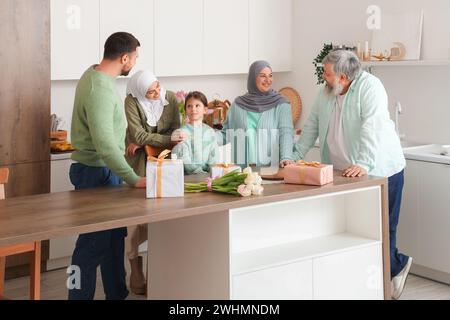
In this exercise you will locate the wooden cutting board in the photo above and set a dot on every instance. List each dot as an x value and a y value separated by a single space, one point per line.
278 176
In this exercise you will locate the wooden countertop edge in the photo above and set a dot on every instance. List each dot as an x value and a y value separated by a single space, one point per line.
171 214
258 200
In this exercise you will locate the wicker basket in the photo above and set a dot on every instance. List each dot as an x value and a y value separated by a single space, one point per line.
217 113
296 102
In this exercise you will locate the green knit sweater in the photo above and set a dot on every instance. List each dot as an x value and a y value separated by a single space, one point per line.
98 125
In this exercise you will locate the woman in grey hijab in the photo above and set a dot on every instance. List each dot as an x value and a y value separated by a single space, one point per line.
259 123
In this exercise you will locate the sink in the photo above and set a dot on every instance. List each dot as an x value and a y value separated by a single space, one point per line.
429 153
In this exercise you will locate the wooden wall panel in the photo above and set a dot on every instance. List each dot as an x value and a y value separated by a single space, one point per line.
25 81
25 105
28 179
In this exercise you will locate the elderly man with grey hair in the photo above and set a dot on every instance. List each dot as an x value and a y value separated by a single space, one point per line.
350 117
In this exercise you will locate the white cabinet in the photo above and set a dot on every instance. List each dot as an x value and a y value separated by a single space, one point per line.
319 247
424 226
408 226
137 20
270 32
434 216
338 236
352 275
288 282
59 174
178 37
61 248
226 36
74 37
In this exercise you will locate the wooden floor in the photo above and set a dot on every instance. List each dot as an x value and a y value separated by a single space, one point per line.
54 288
418 288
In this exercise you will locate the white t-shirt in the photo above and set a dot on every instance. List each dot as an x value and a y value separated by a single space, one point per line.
336 142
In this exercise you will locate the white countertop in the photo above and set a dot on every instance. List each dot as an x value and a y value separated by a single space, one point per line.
428 153
60 156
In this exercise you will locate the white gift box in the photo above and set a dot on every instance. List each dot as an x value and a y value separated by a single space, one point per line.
165 178
219 170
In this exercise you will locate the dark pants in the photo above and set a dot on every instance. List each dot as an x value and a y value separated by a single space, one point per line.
104 248
398 260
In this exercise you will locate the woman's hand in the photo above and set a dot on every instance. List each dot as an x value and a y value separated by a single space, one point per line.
132 148
285 163
178 136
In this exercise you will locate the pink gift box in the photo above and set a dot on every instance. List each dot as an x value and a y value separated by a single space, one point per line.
309 173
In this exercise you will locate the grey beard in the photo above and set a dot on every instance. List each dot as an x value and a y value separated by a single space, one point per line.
334 90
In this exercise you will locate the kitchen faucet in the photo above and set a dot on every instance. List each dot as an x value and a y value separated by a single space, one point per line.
398 111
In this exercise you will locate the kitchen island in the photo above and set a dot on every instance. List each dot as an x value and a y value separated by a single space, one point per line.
293 242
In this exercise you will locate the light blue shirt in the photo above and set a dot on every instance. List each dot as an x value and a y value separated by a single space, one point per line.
274 130
252 125
369 132
199 151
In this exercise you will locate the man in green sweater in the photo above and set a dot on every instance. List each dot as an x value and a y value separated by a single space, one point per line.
98 135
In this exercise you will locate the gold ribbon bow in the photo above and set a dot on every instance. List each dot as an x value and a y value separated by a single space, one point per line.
160 157
159 161
223 165
314 164
302 173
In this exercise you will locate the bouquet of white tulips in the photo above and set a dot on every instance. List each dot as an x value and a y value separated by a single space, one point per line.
241 184
252 184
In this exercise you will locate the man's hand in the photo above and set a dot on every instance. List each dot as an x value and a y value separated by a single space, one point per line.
178 136
354 171
131 149
142 183
285 163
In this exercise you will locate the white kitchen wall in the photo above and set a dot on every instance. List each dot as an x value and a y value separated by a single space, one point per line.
423 91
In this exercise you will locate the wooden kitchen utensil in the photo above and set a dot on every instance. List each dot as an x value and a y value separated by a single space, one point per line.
217 113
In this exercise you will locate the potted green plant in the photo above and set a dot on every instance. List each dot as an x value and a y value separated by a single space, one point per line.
317 62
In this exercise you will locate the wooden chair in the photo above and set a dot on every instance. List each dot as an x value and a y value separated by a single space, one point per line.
33 247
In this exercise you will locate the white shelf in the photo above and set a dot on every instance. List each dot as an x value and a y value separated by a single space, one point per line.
405 63
249 261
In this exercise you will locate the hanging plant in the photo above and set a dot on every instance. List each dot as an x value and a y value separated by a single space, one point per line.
318 61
